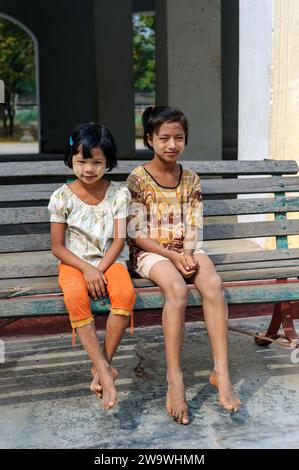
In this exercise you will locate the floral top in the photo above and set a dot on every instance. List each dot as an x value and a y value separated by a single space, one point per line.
163 213
90 228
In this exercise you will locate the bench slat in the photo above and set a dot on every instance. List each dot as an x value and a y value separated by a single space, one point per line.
27 264
27 192
43 263
40 285
259 265
259 274
250 185
229 275
152 299
250 206
28 286
23 215
42 192
37 242
250 230
26 242
57 168
26 215
251 256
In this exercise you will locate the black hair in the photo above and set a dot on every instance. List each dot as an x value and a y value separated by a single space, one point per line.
154 116
89 136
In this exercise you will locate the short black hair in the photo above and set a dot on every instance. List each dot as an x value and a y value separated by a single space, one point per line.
154 116
91 135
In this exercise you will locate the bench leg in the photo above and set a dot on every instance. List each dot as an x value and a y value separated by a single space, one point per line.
7 322
282 316
288 324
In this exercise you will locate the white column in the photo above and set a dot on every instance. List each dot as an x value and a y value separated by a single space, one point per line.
255 77
269 79
269 83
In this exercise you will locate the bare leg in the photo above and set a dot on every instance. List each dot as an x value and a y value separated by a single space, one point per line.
89 340
209 284
115 328
166 276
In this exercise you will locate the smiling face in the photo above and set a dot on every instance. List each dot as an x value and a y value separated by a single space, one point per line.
169 142
89 170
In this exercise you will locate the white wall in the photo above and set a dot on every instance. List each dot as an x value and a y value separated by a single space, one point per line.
255 77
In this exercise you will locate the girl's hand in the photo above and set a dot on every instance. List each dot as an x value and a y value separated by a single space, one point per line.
191 262
183 264
96 282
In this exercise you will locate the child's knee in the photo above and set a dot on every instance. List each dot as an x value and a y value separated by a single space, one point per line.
77 303
120 288
129 295
123 297
76 299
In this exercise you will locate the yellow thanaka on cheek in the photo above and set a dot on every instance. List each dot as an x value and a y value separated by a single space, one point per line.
81 172
88 168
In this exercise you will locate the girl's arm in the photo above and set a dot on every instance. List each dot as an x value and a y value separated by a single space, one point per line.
93 277
193 221
147 244
190 243
61 252
116 246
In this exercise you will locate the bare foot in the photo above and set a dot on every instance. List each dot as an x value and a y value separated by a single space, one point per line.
95 385
109 397
227 396
176 403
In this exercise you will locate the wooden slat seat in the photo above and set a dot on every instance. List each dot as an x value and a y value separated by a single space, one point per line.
232 191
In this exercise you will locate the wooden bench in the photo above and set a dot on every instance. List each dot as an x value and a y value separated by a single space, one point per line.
28 270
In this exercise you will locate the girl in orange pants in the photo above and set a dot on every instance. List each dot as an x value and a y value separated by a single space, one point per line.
88 232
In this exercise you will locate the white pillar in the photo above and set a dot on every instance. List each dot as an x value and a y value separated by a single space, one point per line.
269 79
269 83
255 76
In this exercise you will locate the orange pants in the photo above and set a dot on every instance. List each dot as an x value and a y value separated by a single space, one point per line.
76 296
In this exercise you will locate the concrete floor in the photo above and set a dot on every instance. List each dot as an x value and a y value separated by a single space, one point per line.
45 401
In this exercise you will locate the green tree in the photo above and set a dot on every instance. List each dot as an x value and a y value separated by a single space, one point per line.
17 68
144 52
